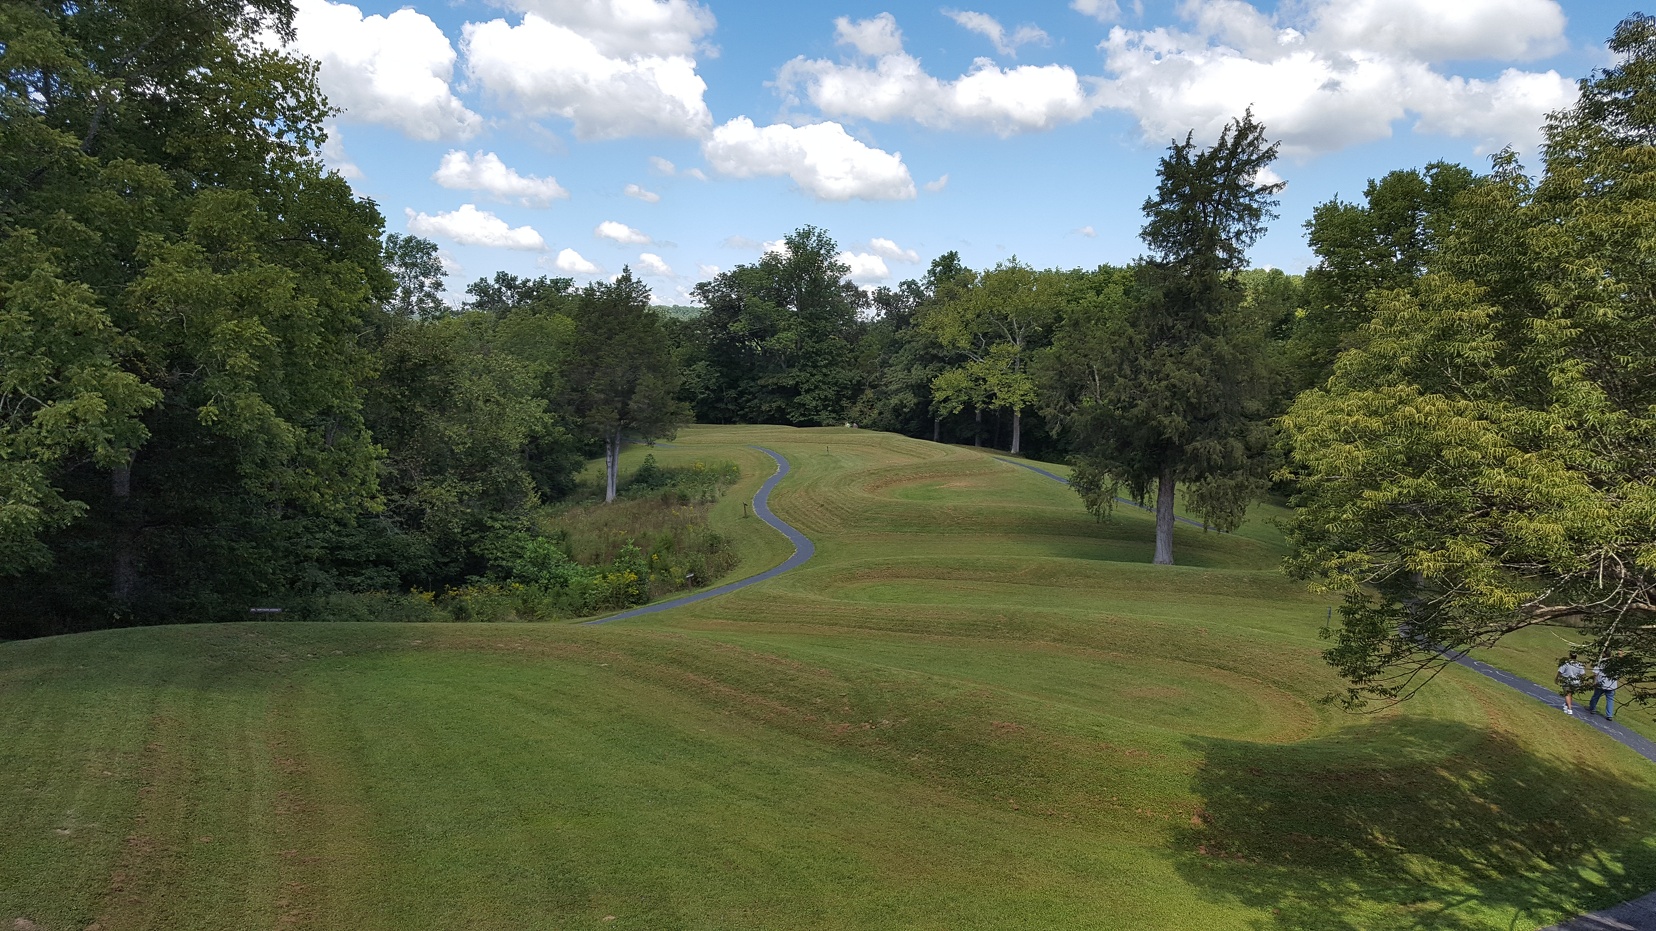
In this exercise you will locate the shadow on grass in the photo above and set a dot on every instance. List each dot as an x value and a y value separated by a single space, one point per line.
1415 823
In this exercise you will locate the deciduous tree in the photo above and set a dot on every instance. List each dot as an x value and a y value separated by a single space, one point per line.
1480 460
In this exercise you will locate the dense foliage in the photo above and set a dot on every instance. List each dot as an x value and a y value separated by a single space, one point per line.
1480 460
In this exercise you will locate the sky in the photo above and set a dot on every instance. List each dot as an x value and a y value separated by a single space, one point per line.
680 138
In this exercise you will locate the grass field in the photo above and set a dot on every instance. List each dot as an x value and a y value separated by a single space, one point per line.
976 707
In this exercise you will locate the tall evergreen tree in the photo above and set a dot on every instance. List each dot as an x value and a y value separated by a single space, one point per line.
1182 392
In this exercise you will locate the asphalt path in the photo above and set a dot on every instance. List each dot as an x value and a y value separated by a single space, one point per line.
804 549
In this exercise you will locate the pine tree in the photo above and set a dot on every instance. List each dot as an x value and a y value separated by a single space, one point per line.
1182 391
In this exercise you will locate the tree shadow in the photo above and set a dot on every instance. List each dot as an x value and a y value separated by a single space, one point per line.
1415 823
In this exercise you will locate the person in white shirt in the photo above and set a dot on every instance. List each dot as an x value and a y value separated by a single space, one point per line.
1603 684
1570 673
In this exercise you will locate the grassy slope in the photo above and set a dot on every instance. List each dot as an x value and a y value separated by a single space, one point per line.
975 708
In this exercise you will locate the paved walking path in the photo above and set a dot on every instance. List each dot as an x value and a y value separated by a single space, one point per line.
803 549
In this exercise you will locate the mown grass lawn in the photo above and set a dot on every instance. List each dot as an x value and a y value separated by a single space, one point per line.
977 707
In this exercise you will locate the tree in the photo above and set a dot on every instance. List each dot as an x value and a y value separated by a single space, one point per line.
776 343
457 415
995 323
621 376
1480 461
1380 244
1182 388
191 284
418 271
506 292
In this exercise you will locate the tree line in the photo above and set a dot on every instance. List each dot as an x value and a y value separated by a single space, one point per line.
221 383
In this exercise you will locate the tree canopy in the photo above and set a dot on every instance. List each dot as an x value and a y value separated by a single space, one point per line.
1480 461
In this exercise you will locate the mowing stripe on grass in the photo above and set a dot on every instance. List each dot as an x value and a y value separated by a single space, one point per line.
804 549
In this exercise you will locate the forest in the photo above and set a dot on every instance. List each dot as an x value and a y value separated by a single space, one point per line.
223 386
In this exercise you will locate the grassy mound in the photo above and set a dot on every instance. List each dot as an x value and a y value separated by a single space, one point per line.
976 707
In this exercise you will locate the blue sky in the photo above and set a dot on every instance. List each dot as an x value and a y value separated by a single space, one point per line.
573 137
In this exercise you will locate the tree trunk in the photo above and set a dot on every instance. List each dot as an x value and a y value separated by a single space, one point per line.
1164 517
1017 432
612 463
977 430
996 442
124 571
937 428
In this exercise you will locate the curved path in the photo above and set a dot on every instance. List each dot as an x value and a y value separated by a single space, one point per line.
803 549
1634 915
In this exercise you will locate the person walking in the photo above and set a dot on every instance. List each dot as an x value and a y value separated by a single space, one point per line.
1604 683
1569 680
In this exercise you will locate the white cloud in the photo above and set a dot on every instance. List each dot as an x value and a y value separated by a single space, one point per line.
648 197
654 265
890 250
571 261
1105 11
389 70
865 268
470 226
990 28
487 173
777 246
621 233
822 158
540 68
628 27
708 271
1320 83
876 36
938 185
1435 31
695 173
335 156
1087 231
740 242
662 165
1004 101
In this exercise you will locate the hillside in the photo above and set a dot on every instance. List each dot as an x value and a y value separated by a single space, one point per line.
975 707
